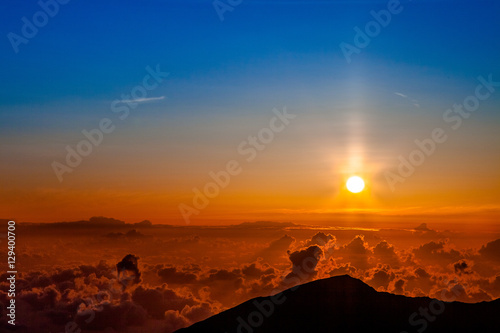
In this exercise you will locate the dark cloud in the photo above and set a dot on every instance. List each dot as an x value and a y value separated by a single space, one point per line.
40 299
384 249
424 231
91 298
455 291
356 252
422 227
173 276
421 273
224 275
131 234
100 270
386 253
128 271
255 271
276 250
281 244
101 220
462 267
197 312
357 246
116 316
399 287
304 264
183 277
320 239
419 279
381 277
491 251
174 321
265 225
343 269
437 252
160 299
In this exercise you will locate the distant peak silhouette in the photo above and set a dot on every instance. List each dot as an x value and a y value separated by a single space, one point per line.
343 304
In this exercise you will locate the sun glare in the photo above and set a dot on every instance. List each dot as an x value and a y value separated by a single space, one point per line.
355 184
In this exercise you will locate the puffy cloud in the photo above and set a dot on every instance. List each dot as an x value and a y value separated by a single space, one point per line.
462 267
109 315
321 239
277 247
224 275
41 298
173 276
197 312
381 277
421 273
304 264
461 293
491 285
399 287
185 278
356 252
152 300
255 270
160 299
342 269
357 246
491 251
419 281
174 321
386 253
437 252
91 297
128 271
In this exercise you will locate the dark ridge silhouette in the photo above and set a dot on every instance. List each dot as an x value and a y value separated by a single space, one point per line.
264 224
95 222
343 304
131 234
422 227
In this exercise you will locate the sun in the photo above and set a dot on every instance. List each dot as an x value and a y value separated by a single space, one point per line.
355 184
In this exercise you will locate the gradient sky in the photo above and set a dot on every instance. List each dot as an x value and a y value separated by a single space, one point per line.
225 79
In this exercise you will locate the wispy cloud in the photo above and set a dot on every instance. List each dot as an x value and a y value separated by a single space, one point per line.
142 100
413 101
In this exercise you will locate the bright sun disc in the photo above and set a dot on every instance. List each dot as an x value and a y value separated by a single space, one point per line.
355 184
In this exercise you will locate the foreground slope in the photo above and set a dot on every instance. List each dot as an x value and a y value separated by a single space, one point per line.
344 304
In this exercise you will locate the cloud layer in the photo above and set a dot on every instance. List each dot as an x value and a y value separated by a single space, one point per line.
170 278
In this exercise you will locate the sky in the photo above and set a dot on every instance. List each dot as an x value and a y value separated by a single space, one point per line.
278 69
205 146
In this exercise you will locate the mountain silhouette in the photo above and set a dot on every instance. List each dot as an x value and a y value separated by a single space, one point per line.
343 304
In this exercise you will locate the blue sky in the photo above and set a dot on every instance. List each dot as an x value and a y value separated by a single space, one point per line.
226 76
94 49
